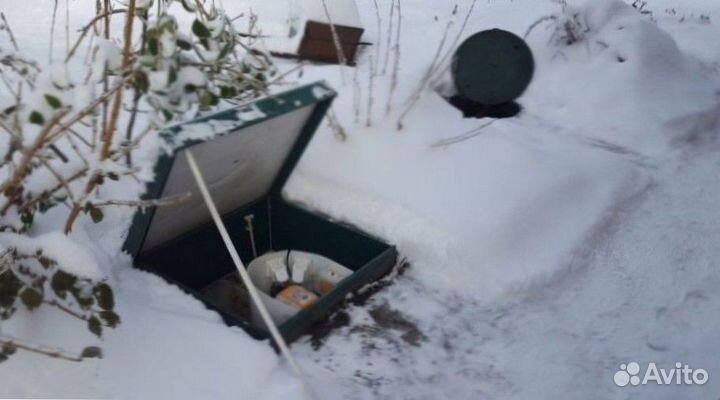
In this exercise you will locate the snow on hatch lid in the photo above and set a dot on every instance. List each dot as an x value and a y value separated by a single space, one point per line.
244 154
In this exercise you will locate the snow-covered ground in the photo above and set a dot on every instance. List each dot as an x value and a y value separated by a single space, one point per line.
544 252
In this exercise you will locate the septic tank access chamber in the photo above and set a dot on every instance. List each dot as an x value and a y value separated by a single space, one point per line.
247 155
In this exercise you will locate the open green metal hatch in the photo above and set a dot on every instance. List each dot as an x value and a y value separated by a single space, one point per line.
246 155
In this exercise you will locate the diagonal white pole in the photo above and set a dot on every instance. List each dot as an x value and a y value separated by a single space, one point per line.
274 332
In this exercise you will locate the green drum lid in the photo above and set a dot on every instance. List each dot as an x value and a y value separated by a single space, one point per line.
493 67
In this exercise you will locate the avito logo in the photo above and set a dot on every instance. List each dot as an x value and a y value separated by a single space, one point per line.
629 374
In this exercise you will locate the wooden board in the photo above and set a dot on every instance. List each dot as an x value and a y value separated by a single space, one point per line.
318 44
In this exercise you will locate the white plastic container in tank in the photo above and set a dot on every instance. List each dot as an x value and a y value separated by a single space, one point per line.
316 273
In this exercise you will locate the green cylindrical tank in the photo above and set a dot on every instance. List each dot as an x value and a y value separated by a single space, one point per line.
492 67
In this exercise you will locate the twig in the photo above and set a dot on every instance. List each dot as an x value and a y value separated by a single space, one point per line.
465 136
170 201
538 22
371 84
396 65
47 351
114 114
84 31
67 25
336 41
441 66
9 31
136 101
357 93
389 37
48 194
77 151
335 125
60 180
280 77
65 126
379 35
10 186
415 97
52 31
106 9
66 310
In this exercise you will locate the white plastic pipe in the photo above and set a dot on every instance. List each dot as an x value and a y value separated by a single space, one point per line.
274 332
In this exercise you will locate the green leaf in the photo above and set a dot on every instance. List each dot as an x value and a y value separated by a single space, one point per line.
27 218
10 287
228 92
104 295
83 301
91 352
208 99
184 44
153 46
110 318
96 214
189 5
190 88
200 30
53 101
31 298
95 326
172 75
9 110
37 118
61 283
45 262
205 42
226 50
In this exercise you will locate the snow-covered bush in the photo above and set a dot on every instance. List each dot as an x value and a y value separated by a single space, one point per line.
569 25
30 277
178 71
68 130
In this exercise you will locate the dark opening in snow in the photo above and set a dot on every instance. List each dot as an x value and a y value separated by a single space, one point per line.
471 109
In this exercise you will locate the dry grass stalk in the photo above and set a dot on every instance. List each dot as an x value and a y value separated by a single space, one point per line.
110 129
371 85
417 94
342 60
461 138
396 64
388 44
9 31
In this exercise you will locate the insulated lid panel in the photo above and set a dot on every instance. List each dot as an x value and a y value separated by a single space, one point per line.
244 154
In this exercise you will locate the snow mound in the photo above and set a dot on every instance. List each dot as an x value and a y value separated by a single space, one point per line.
486 217
606 65
73 257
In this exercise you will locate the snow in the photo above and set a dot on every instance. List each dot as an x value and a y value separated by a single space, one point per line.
167 346
545 251
642 82
72 256
342 12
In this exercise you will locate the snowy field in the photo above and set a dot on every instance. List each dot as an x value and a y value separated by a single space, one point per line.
545 251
